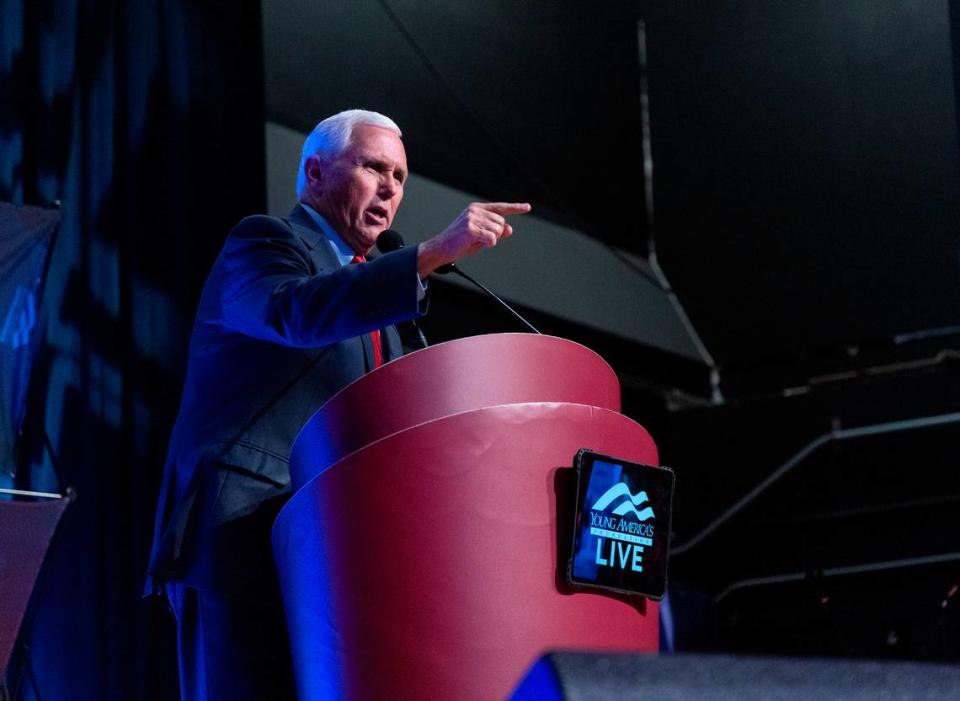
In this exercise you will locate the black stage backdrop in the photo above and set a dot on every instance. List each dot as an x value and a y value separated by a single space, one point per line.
25 237
145 121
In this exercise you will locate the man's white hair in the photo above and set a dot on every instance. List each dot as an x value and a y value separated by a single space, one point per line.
332 136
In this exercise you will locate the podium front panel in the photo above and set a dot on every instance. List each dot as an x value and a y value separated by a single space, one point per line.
425 564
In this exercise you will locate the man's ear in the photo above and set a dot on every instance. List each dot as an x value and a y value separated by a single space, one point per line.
313 170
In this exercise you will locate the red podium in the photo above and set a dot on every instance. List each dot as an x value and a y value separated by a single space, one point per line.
419 554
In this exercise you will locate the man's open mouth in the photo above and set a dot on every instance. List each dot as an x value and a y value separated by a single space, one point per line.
378 212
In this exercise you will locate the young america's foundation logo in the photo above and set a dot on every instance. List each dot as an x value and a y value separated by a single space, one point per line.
622 529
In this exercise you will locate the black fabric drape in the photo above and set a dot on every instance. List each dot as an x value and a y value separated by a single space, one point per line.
145 120
25 237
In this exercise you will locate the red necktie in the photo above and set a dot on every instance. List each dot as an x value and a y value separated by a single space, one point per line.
375 334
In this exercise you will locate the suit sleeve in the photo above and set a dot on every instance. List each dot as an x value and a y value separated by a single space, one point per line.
275 291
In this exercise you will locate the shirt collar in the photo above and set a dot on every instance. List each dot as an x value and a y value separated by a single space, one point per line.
340 247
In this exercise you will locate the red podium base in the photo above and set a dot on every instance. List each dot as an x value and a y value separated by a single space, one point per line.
425 564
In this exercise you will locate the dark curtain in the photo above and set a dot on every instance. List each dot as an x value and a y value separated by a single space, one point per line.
145 121
25 236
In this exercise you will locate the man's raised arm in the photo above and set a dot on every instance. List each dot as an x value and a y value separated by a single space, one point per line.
480 225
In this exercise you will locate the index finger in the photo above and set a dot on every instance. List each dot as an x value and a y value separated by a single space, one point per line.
506 207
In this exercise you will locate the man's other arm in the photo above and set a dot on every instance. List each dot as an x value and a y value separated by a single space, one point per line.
272 291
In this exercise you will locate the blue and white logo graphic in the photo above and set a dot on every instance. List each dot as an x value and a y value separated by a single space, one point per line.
621 535
622 531
629 504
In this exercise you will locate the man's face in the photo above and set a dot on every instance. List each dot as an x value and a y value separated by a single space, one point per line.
359 192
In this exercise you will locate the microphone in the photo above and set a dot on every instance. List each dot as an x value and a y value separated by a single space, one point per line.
387 242
392 241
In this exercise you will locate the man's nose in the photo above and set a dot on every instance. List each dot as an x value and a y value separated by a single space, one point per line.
389 186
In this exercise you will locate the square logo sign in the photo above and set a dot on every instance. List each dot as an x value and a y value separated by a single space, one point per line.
621 535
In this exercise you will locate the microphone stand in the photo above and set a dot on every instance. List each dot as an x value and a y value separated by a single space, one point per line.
454 268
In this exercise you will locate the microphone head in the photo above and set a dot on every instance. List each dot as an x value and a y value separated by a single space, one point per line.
389 241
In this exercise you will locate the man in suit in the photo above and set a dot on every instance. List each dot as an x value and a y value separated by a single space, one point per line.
290 314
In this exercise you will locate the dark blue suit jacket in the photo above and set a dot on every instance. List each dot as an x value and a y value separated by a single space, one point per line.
281 327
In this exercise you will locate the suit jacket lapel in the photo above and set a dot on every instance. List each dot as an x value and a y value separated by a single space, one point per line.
368 359
309 231
315 240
